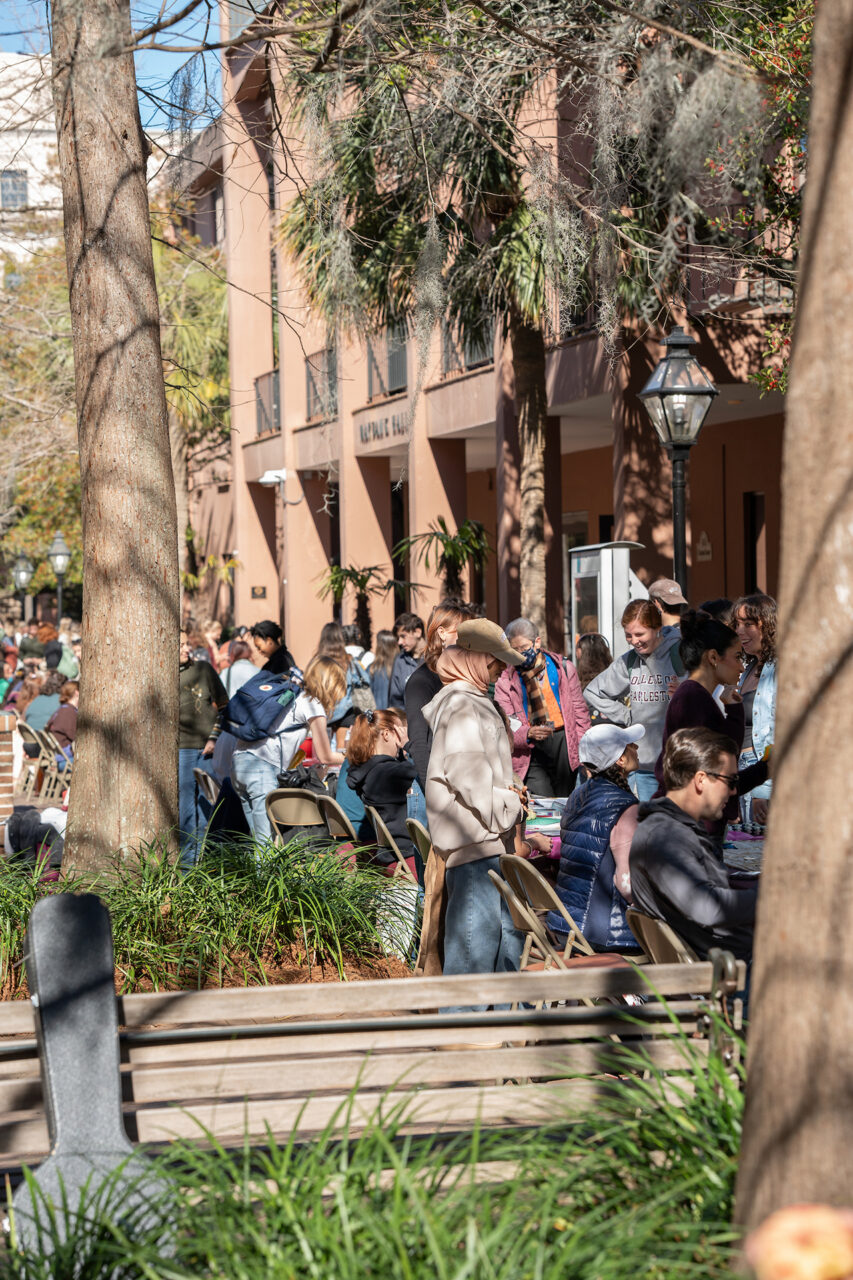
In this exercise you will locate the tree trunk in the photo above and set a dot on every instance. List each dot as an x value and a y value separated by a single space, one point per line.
798 1134
180 470
125 772
528 362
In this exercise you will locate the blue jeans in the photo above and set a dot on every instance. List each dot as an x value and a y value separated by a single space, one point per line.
194 809
253 780
416 804
479 936
644 785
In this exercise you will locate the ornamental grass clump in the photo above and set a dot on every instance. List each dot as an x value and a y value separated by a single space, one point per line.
244 915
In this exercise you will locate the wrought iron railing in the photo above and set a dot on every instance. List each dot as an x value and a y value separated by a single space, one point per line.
460 353
267 403
321 384
387 363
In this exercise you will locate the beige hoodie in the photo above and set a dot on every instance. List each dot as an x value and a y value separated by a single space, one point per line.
469 802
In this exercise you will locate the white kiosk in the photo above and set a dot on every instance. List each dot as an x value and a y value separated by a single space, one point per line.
601 584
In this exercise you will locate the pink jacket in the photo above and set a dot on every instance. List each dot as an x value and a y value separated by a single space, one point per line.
574 711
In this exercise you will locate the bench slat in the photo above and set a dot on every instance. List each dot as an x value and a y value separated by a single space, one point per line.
167 1082
433 1108
353 999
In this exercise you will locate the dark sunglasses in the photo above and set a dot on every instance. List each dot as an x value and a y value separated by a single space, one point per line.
730 779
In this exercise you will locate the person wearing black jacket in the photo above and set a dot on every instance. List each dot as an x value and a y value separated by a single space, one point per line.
381 775
677 871
267 640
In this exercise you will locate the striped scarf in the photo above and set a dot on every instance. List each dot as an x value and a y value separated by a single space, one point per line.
537 711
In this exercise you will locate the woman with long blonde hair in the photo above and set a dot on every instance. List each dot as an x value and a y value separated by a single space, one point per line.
255 766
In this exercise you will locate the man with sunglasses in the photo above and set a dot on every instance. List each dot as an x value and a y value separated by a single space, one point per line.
677 869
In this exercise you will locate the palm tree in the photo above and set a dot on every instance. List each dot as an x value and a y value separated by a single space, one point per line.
365 581
471 256
452 552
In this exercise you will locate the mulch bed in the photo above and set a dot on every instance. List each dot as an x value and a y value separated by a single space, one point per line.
289 969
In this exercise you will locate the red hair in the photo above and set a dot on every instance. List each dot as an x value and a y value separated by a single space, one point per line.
645 612
365 732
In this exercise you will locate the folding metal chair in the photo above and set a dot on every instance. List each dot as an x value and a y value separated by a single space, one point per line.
659 940
398 924
27 780
534 890
207 785
58 779
420 838
337 823
385 840
293 807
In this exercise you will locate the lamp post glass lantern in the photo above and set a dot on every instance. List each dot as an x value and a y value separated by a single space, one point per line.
22 575
677 398
59 556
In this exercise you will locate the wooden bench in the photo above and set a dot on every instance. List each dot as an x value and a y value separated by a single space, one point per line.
302 1058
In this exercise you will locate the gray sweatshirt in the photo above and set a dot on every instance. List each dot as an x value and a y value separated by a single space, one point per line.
644 681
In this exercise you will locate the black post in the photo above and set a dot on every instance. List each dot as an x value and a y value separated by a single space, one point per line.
59 578
679 517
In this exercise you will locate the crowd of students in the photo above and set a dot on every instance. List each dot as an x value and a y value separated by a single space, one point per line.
458 722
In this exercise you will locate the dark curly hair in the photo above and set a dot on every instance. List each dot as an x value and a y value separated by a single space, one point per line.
613 773
761 609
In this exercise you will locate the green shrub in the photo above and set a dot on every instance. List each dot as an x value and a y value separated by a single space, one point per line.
241 913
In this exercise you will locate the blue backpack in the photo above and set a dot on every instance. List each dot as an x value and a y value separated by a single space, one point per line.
255 709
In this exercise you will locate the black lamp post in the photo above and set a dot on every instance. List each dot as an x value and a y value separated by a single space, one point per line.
59 556
677 397
22 575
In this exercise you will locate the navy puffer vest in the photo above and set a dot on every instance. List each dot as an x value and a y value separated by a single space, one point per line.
586 880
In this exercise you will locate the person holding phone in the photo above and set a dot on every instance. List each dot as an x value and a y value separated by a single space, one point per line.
543 697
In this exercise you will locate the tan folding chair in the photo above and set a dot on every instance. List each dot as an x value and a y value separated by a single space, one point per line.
293 807
397 924
51 780
385 840
534 890
337 823
659 939
420 838
27 781
58 779
521 920
527 921
207 785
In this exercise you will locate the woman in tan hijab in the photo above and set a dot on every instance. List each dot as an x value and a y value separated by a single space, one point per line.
472 804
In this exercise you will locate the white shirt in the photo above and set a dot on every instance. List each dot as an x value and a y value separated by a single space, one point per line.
289 734
235 676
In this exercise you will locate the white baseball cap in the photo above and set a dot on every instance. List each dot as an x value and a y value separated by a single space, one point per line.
603 744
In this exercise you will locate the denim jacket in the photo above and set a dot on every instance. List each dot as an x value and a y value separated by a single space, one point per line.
763 721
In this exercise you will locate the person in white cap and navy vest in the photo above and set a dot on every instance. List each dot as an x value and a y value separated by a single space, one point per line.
596 831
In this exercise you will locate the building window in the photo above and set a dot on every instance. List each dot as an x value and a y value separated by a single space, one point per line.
267 403
321 384
460 354
13 189
387 364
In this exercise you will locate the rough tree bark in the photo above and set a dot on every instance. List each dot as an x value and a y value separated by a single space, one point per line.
798 1134
528 361
125 773
180 470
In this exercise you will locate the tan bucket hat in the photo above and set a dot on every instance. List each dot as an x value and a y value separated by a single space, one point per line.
478 635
